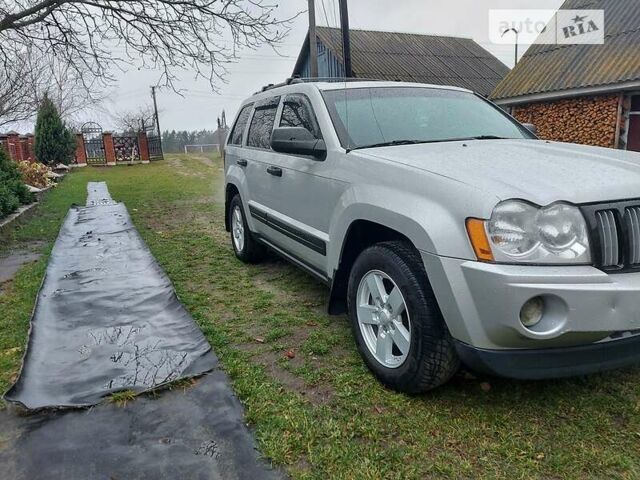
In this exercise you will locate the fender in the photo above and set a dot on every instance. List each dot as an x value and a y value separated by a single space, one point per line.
235 176
431 227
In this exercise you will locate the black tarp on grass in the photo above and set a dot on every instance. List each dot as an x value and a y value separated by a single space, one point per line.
193 433
107 317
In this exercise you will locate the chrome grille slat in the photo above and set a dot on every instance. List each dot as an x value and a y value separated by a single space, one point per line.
608 231
632 216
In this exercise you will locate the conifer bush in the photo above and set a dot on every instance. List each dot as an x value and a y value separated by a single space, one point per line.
54 142
12 191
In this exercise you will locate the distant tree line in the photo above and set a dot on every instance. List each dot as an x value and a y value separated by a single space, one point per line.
174 141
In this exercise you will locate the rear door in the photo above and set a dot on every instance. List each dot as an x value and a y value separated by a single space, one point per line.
259 159
235 162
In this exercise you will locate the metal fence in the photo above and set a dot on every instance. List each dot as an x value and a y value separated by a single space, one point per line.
126 148
155 147
93 144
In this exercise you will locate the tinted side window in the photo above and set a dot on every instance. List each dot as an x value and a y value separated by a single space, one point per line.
235 138
262 124
297 112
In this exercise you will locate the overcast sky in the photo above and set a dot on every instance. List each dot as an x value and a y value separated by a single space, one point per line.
200 107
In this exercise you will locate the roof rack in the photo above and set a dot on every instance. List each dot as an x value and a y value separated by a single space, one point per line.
296 79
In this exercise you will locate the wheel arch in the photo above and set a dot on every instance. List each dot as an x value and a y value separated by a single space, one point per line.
360 235
230 191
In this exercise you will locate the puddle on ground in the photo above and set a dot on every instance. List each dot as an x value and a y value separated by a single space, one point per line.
13 261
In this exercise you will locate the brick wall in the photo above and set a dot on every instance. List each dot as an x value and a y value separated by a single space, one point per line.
585 120
19 147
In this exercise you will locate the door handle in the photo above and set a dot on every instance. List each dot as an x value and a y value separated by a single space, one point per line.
275 171
242 162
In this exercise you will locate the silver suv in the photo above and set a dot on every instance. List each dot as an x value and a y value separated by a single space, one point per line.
445 229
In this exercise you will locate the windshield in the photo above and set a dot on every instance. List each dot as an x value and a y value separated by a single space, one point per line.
378 116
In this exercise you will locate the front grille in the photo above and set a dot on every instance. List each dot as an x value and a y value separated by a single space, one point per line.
615 235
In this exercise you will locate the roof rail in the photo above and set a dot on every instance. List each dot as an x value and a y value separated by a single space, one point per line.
297 79
338 79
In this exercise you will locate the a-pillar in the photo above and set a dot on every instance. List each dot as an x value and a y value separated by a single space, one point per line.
81 151
143 146
109 149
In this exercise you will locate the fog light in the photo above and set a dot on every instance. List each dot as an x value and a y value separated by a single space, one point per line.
532 312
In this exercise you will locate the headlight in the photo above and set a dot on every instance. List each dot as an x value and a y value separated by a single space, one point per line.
520 232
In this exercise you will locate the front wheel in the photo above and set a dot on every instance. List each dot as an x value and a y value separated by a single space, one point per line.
245 246
396 321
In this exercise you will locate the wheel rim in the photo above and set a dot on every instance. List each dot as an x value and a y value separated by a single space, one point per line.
237 229
383 319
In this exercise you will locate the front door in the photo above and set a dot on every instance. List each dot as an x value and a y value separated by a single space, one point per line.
301 195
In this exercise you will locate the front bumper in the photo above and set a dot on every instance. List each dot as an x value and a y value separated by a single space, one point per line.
553 362
481 303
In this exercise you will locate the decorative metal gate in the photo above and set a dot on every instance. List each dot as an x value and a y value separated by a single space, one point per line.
155 147
93 143
126 147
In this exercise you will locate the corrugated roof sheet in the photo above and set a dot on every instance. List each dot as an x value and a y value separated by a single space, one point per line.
417 58
555 68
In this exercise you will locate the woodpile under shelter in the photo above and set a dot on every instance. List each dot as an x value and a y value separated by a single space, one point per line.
581 93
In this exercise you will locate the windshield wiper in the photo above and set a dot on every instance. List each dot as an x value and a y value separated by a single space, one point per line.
392 143
413 142
488 137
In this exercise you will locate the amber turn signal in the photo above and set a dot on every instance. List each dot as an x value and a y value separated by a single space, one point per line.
479 241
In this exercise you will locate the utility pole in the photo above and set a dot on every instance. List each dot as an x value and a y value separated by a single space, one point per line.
313 44
346 42
155 108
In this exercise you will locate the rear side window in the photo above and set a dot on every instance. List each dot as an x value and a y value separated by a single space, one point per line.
238 129
262 123
297 112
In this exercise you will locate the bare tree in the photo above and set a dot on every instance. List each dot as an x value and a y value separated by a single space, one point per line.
16 94
30 76
135 121
94 36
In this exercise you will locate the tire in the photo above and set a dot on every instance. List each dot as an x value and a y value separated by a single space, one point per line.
429 358
244 244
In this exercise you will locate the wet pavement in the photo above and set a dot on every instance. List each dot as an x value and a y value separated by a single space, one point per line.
13 261
107 319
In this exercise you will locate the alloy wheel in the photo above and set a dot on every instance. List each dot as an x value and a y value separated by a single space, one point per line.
383 319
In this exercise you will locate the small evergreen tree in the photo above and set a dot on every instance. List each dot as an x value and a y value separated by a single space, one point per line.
12 191
54 142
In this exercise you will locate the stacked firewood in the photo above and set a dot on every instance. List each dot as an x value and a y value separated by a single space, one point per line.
585 120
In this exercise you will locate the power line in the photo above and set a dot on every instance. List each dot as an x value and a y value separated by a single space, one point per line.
324 11
334 12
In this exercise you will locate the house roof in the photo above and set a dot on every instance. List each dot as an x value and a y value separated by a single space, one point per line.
409 57
553 71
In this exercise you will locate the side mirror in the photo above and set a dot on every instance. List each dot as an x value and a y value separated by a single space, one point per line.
531 127
297 141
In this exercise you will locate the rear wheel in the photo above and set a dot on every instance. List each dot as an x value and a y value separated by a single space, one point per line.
396 321
245 246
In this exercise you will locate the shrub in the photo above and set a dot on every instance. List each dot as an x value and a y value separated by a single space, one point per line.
35 174
54 142
13 191
8 201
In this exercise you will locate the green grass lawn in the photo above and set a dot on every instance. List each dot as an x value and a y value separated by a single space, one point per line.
320 414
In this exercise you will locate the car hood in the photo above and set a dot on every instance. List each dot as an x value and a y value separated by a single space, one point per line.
535 170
